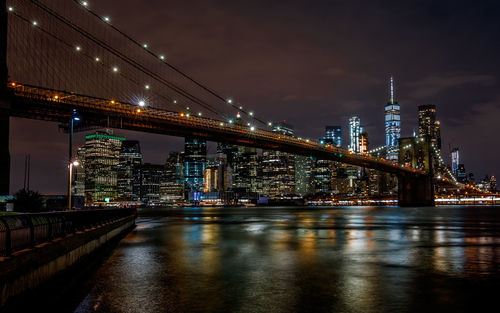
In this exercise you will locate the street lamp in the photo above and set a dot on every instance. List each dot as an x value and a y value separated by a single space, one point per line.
71 164
74 117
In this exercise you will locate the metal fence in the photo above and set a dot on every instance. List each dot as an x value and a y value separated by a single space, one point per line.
21 231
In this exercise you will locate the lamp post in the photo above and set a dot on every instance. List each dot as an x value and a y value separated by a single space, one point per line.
75 163
74 117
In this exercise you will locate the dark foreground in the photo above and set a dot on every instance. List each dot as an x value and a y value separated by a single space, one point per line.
351 259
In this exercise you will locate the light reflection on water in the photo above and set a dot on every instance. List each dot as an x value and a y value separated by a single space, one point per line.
302 260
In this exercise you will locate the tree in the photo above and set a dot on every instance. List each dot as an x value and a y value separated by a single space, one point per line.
28 201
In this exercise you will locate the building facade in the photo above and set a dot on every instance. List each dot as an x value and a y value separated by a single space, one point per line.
102 155
354 132
392 125
455 160
333 135
152 175
129 171
428 125
195 154
172 184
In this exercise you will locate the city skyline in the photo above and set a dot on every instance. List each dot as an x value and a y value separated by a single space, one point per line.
363 95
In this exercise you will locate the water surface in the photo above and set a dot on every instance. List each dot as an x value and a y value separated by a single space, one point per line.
342 259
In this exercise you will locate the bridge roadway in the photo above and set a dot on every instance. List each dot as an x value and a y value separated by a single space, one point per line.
53 105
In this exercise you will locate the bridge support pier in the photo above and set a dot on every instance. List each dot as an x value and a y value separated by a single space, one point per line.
4 105
415 190
4 146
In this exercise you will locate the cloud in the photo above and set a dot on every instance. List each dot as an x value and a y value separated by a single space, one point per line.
432 85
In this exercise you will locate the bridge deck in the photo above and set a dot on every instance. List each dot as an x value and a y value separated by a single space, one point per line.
53 105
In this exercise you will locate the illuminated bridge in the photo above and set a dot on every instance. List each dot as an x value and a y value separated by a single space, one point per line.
59 57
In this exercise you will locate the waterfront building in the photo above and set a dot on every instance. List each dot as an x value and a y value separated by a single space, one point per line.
172 184
129 171
321 175
79 173
392 125
354 132
244 168
210 177
102 155
152 175
303 170
195 153
278 168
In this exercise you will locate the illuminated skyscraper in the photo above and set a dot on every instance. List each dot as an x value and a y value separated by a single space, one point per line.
303 167
129 175
392 125
455 160
278 168
194 166
428 126
152 175
363 142
172 184
354 132
333 135
102 155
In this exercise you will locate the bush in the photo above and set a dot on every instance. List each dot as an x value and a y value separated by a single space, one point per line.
28 201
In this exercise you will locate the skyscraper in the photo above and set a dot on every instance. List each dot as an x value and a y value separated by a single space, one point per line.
363 142
172 184
333 135
461 174
303 167
152 175
195 150
428 126
129 171
278 168
392 125
354 132
102 155
244 169
455 160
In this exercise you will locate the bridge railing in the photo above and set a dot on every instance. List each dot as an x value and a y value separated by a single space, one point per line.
22 231
184 119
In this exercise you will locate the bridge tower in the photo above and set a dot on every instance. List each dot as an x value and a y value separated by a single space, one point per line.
416 190
4 104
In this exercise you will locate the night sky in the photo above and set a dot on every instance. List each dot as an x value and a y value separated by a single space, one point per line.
312 63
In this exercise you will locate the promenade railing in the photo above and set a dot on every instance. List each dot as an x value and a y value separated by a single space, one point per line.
23 231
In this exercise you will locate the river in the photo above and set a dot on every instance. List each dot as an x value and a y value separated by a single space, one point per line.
302 259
